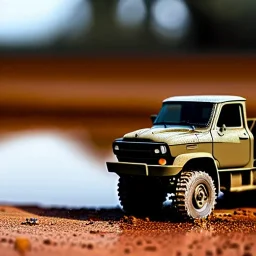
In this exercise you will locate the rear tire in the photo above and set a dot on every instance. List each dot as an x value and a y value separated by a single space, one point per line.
141 196
195 196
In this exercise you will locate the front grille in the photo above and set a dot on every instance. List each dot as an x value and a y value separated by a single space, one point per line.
153 161
140 152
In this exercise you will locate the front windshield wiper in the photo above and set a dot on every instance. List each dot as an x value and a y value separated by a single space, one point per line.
193 125
188 123
163 123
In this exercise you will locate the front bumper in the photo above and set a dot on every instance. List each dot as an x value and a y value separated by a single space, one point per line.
141 169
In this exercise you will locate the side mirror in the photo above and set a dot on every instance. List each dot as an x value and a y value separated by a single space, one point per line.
153 118
223 128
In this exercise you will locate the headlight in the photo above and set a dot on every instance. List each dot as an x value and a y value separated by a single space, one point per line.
116 147
157 151
163 149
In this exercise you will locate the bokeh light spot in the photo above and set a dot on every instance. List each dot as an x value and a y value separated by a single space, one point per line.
29 22
170 18
131 13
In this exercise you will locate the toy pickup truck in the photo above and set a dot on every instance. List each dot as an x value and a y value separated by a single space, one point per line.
197 147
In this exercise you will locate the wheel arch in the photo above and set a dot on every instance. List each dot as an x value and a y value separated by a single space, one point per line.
203 161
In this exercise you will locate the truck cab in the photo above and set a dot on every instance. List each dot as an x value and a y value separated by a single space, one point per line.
193 139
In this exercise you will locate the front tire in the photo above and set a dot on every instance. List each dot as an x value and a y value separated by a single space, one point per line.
195 196
141 196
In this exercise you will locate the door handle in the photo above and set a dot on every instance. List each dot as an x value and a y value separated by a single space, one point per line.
244 136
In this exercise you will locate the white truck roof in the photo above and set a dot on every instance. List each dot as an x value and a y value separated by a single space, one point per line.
205 98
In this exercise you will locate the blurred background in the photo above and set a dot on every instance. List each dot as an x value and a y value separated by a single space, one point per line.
76 74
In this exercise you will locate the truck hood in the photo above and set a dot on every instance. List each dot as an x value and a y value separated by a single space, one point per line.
171 136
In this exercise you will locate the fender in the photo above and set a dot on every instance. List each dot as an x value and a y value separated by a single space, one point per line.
200 159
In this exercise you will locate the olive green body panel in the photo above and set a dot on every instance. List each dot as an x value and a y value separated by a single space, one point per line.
233 147
183 159
172 136
230 151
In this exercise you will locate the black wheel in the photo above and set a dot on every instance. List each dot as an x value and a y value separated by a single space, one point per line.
195 195
141 196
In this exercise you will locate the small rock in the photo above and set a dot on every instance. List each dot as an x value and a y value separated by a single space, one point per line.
139 242
234 245
190 246
3 240
90 246
132 220
22 245
47 241
30 221
219 251
247 247
94 232
151 248
208 253
247 254
127 250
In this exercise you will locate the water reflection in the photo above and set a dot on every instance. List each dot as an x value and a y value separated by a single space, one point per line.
50 169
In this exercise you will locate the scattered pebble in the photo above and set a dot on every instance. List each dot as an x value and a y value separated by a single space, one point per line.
208 253
151 248
219 251
90 246
3 240
22 245
94 231
47 241
30 221
127 250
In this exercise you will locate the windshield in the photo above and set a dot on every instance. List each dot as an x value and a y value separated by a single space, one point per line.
185 113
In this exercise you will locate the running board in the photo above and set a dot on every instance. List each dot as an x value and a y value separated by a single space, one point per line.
242 188
237 169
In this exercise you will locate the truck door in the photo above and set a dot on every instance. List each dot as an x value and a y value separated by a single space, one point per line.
231 143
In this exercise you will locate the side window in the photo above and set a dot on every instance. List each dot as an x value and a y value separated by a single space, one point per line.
230 115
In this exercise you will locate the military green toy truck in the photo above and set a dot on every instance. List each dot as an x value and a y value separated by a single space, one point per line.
197 147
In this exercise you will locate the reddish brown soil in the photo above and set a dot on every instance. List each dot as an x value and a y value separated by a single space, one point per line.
109 232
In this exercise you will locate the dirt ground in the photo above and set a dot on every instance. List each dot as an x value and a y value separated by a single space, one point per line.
109 232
